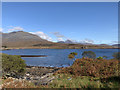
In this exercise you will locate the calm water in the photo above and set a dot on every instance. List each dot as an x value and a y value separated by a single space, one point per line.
56 57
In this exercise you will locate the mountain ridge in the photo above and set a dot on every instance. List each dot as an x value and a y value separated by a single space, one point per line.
21 38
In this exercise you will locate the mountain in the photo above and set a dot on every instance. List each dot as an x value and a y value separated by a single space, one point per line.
21 39
60 42
73 42
67 42
103 45
116 45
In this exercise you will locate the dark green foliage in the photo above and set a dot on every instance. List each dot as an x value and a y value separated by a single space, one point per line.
72 55
99 57
13 65
105 57
89 54
4 46
116 55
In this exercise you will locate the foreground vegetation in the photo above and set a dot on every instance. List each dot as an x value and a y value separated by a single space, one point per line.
12 65
87 72
93 67
69 81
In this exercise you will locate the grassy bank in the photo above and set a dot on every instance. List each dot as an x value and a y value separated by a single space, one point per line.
89 73
69 81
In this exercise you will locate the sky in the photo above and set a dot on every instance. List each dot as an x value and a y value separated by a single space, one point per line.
85 22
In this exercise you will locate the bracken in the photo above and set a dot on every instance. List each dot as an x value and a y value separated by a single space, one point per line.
93 67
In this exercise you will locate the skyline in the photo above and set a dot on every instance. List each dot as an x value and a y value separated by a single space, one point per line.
95 23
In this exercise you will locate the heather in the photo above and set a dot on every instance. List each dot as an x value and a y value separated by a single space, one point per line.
93 67
89 73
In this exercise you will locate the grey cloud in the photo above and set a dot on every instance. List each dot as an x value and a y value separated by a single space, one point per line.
59 36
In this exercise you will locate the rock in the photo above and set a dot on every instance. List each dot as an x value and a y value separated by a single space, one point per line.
10 77
27 74
28 78
33 67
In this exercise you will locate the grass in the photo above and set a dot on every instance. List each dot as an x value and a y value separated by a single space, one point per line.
89 73
69 81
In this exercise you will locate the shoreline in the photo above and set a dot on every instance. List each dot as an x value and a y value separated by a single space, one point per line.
59 48
40 75
27 66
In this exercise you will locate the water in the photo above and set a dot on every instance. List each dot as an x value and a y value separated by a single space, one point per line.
55 57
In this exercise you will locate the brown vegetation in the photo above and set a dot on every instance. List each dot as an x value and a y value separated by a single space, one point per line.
93 67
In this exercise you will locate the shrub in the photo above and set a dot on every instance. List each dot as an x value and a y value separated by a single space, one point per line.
99 58
105 57
72 55
13 65
93 67
116 55
4 46
89 54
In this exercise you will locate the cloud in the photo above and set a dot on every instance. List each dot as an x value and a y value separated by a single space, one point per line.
87 41
15 29
42 35
60 39
59 36
114 42
1 29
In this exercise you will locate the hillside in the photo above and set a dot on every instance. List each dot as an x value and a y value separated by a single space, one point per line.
21 39
116 45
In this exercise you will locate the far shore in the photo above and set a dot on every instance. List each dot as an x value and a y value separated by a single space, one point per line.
10 48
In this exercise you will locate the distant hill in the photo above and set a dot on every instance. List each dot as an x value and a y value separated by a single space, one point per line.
67 41
116 45
73 42
21 39
103 45
60 42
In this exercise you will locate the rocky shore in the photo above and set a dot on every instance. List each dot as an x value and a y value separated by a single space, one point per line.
34 74
40 75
